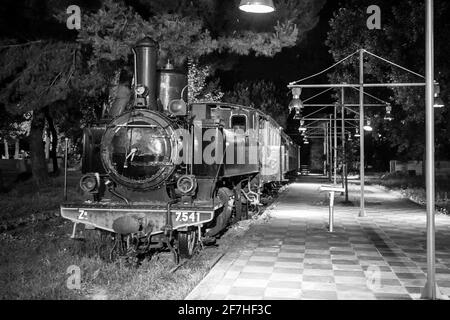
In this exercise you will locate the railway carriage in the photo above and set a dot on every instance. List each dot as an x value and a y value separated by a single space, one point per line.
161 173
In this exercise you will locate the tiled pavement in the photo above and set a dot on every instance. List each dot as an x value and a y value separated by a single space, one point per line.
293 256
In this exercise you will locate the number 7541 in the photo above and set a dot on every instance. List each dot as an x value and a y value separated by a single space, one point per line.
188 216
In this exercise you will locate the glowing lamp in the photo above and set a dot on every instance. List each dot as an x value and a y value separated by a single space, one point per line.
257 6
368 127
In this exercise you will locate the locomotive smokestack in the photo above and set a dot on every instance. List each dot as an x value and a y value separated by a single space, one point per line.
145 59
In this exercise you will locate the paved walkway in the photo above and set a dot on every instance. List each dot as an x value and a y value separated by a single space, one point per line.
381 256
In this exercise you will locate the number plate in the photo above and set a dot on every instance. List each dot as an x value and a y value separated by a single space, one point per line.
187 217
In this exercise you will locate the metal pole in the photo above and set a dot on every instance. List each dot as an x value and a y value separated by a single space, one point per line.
330 143
344 158
65 169
430 291
335 145
362 212
325 149
366 85
347 105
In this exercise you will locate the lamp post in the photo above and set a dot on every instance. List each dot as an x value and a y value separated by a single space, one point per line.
330 144
344 155
362 211
430 291
335 146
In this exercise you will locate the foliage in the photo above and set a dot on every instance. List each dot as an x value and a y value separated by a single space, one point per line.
36 75
199 88
11 125
186 30
262 95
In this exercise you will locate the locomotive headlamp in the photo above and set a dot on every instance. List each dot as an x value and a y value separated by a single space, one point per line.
177 107
90 182
186 184
257 6
140 90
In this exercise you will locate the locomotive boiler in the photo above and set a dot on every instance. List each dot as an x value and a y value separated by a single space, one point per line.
162 173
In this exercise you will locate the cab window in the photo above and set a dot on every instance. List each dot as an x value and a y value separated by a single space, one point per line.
239 122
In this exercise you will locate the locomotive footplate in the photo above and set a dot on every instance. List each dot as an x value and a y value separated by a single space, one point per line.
124 219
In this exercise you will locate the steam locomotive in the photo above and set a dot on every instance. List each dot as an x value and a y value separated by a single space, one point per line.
161 173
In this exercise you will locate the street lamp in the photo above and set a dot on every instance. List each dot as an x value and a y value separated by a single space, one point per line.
296 103
357 135
257 6
388 116
438 102
368 127
302 126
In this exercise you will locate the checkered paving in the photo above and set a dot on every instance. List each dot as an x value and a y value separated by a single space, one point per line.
293 256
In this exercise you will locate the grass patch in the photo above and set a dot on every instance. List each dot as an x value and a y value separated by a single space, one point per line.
413 187
34 261
25 199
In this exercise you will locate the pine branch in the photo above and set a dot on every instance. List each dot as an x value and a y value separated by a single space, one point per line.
20 44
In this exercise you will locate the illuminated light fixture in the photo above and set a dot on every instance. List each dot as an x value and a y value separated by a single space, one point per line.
257 6
306 142
357 135
438 102
298 114
296 103
388 116
302 126
368 127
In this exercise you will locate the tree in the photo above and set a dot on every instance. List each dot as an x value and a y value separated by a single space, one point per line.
263 95
402 41
199 88
187 30
36 76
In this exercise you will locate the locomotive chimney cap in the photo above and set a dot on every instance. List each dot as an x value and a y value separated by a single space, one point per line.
147 42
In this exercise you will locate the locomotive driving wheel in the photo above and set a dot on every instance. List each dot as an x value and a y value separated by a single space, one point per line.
187 242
